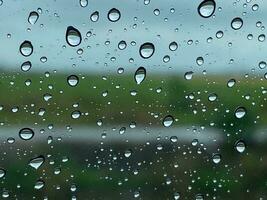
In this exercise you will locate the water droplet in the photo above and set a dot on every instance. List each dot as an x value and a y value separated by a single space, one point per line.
26 48
37 162
146 50
261 38
231 83
173 139
262 64
176 195
73 80
206 8
2 173
75 114
73 36
114 15
33 17
216 158
94 16
128 153
199 197
122 45
200 61
166 58
212 97
237 23
140 75
173 46
26 133
240 112
240 146
188 75
83 3
168 121
26 66
39 185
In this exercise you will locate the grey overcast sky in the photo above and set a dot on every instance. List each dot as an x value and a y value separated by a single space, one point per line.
48 36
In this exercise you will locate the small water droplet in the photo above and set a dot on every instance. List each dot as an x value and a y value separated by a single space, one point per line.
212 97
240 146
83 3
26 48
39 184
26 133
73 36
128 153
140 75
173 139
122 45
200 61
37 162
168 121
73 80
173 46
240 112
237 23
231 83
33 17
206 8
216 158
146 50
76 114
94 16
26 66
188 75
114 15
2 173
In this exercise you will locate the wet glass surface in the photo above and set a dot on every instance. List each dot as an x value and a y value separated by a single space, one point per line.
136 99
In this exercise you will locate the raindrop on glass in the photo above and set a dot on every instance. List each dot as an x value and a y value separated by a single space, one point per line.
240 112
114 15
237 23
37 162
140 75
33 17
26 48
73 36
206 8
26 66
73 80
146 50
26 133
240 146
168 121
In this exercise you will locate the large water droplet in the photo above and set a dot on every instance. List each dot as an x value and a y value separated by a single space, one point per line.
73 80
33 17
37 162
26 66
240 146
240 112
206 8
26 133
140 75
94 16
168 120
114 15
76 114
26 48
73 36
237 23
146 50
